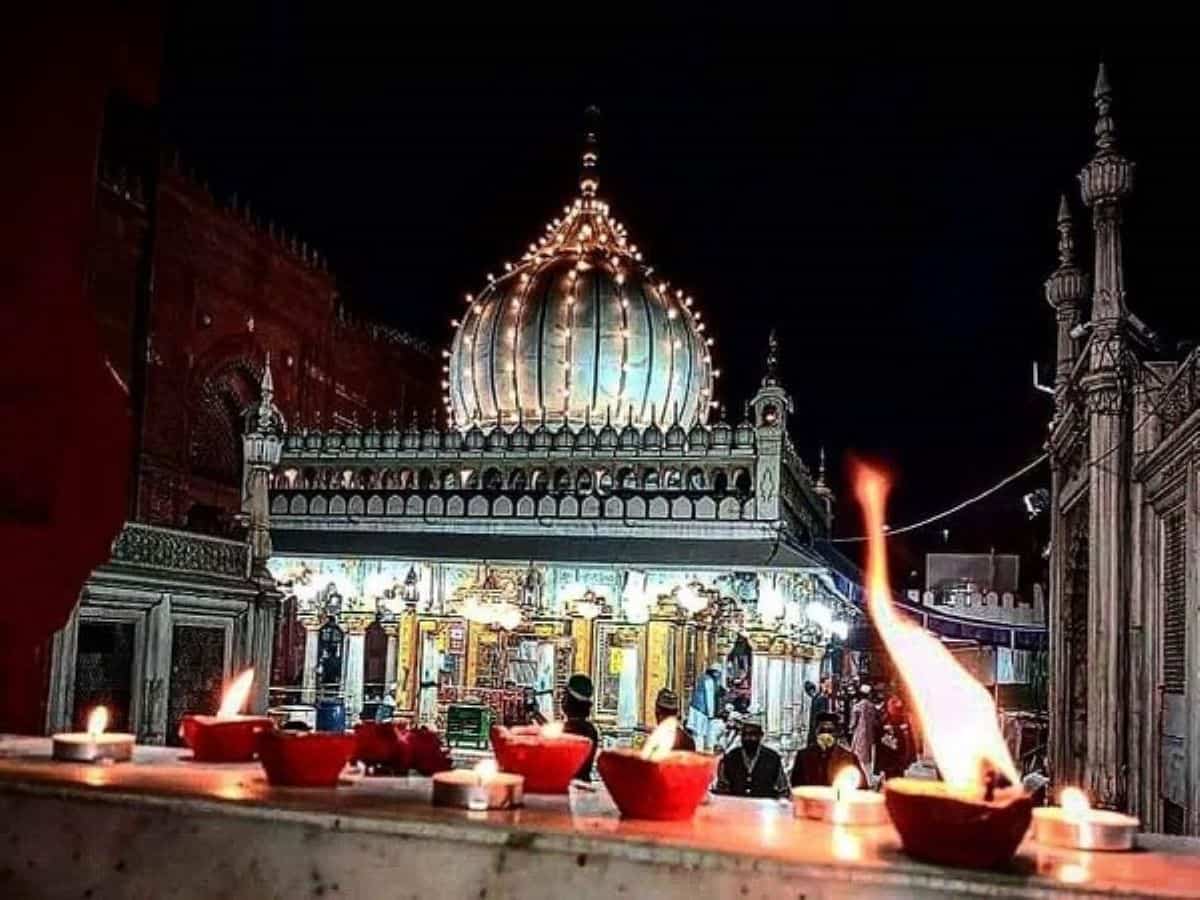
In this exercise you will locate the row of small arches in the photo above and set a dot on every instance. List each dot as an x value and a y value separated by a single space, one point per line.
580 480
526 506
543 437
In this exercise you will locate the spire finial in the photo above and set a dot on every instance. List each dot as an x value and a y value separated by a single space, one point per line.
267 387
1106 128
772 374
1066 237
588 179
821 465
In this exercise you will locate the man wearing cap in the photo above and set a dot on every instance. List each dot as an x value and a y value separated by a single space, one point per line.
666 706
577 708
823 760
750 769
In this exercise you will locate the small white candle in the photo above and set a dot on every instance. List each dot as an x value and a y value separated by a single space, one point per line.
841 803
1076 826
481 788
95 744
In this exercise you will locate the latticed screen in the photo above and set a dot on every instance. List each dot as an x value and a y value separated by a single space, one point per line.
1174 599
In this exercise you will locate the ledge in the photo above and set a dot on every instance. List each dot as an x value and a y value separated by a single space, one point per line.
166 826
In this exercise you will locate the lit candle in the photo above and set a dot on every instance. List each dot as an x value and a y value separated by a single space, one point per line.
478 789
1076 826
657 783
94 745
228 736
546 756
841 803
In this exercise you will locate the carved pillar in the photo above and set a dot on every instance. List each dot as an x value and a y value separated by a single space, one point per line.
406 661
392 630
352 667
308 690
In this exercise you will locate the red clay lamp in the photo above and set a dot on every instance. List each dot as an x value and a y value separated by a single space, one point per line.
657 782
228 736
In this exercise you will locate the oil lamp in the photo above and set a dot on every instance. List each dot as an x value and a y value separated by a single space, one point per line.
94 745
967 819
478 789
304 758
546 757
228 736
841 803
1076 826
658 782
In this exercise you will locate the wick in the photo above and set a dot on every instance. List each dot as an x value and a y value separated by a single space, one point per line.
989 786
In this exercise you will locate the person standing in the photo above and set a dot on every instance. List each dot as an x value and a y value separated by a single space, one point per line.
750 769
577 708
821 702
896 749
824 759
708 700
666 706
864 726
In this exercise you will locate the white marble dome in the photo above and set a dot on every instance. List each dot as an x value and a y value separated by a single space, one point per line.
580 331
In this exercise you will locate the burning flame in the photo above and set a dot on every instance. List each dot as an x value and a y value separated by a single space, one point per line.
552 730
235 695
98 720
845 781
486 768
955 711
661 740
1074 803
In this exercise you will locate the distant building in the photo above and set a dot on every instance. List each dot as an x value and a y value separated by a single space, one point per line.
1125 592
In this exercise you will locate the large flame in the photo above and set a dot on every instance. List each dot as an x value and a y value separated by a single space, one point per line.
235 695
955 711
98 720
847 780
661 740
1074 803
552 729
486 768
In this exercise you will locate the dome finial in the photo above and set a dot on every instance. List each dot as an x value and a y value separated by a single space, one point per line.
772 374
1106 128
588 179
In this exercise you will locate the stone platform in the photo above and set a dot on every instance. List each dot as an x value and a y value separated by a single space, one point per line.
164 826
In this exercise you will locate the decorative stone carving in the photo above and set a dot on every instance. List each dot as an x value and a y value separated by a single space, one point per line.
162 548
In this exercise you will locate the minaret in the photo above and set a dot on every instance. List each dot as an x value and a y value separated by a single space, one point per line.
769 409
823 490
1106 181
1066 290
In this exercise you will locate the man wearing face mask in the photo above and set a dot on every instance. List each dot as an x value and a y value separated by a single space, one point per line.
821 761
750 769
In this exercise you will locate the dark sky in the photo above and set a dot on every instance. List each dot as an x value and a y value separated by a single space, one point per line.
887 204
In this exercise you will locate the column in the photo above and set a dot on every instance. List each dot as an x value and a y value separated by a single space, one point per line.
392 630
156 673
352 665
308 692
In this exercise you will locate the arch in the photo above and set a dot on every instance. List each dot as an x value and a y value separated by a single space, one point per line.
584 481
308 478
455 506
749 509
425 480
547 508
448 480
407 480
493 480
395 505
337 505
568 506
216 405
279 506
706 508
299 505
695 479
604 481
590 507
388 480
356 506
435 505
470 479
346 479
635 508
729 509
414 507
319 506
720 481
478 507
374 505
366 479
502 507
658 508
562 480
681 508
614 508
627 479
672 479
525 507
539 481
650 479
518 480
741 481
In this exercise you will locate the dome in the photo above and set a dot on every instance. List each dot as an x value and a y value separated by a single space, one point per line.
579 330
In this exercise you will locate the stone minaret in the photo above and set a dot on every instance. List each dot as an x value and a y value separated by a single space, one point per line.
1106 181
1066 290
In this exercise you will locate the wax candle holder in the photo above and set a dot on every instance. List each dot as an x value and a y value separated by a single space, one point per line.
667 787
304 758
950 827
479 789
547 758
850 807
1076 826
223 739
94 745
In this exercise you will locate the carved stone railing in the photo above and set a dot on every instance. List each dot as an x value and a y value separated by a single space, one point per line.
1180 396
179 551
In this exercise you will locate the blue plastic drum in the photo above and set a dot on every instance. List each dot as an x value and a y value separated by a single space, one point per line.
331 715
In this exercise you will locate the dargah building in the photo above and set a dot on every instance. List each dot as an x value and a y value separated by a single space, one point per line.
585 507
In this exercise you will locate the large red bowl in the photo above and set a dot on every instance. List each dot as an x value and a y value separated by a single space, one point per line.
304 758
548 763
231 739
666 789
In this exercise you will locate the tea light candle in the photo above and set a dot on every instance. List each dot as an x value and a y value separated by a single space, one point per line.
841 803
95 744
1076 826
478 789
228 736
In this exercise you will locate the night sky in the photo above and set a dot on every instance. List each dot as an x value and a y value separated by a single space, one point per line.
889 207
